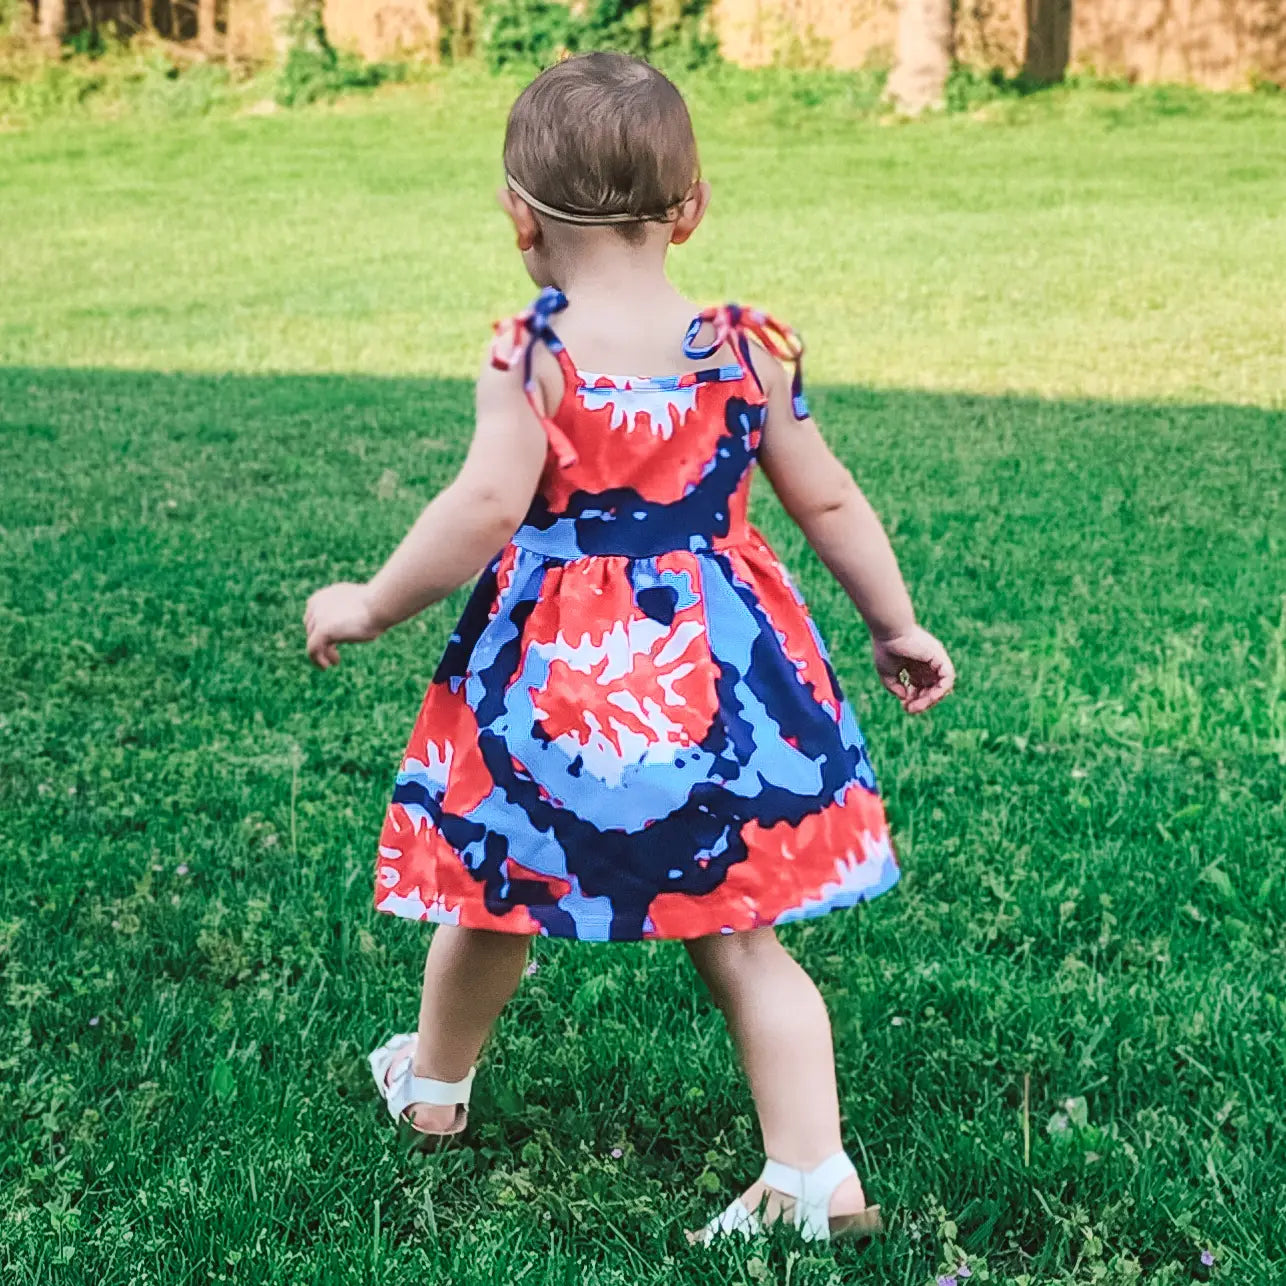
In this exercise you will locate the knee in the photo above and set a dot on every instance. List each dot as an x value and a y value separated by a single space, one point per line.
728 959
514 944
478 945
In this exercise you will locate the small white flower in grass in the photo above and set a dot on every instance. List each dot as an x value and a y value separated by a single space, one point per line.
175 900
181 869
897 1021
156 866
617 1154
93 1022
532 969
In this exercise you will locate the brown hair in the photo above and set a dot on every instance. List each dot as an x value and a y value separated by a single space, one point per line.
603 134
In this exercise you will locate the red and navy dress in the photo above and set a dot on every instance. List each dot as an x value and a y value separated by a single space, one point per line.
635 731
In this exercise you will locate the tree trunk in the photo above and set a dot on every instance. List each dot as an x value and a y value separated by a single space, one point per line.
1049 40
53 20
456 20
206 35
925 47
282 16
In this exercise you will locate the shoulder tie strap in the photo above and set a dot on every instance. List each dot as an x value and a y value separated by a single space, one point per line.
515 340
735 325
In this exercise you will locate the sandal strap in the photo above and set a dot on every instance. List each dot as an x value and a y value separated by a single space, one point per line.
405 1089
402 1089
736 1219
812 1191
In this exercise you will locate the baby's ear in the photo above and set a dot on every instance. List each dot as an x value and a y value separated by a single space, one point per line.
526 228
691 212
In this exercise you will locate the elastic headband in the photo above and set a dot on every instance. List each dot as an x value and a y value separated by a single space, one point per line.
577 216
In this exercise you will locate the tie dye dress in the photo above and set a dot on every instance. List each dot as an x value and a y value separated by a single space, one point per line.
635 731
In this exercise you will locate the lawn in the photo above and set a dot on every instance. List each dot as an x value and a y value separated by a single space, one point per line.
235 357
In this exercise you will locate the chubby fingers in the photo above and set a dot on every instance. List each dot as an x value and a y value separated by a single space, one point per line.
322 651
944 679
895 685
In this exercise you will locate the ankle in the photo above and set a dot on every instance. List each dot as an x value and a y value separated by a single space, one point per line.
805 1159
432 1065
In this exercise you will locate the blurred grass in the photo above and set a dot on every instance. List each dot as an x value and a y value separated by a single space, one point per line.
1076 244
234 363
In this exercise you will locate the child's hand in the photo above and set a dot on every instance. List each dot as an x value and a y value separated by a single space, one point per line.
340 613
915 667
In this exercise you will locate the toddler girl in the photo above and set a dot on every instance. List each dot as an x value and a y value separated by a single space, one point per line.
635 731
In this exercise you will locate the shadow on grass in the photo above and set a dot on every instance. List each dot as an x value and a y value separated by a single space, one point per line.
1105 564
1091 831
1163 515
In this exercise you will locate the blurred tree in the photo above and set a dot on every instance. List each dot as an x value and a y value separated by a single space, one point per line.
284 19
1049 40
925 48
206 34
459 21
53 20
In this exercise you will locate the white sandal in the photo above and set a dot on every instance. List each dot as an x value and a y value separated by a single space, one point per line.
812 1191
404 1090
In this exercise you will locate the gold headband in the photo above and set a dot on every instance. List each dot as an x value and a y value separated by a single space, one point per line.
576 216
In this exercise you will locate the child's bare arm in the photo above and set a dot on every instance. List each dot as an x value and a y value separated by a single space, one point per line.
455 535
820 494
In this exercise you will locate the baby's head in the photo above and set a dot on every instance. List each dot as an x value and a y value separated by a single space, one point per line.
600 146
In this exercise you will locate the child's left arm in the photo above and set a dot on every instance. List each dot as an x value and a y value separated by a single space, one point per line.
457 534
820 494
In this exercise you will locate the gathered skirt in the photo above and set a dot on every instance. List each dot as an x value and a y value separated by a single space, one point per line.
619 748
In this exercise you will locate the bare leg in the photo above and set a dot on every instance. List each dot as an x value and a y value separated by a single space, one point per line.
469 976
780 1027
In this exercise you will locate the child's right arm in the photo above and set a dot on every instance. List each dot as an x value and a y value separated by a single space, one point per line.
820 494
455 536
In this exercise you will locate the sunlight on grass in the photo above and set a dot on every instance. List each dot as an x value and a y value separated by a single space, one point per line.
1068 253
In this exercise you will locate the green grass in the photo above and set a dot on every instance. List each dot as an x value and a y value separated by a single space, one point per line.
234 359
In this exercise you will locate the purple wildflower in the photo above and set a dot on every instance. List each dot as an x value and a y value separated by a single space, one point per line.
946 1280
964 1272
181 869
1207 1259
532 969
617 1154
